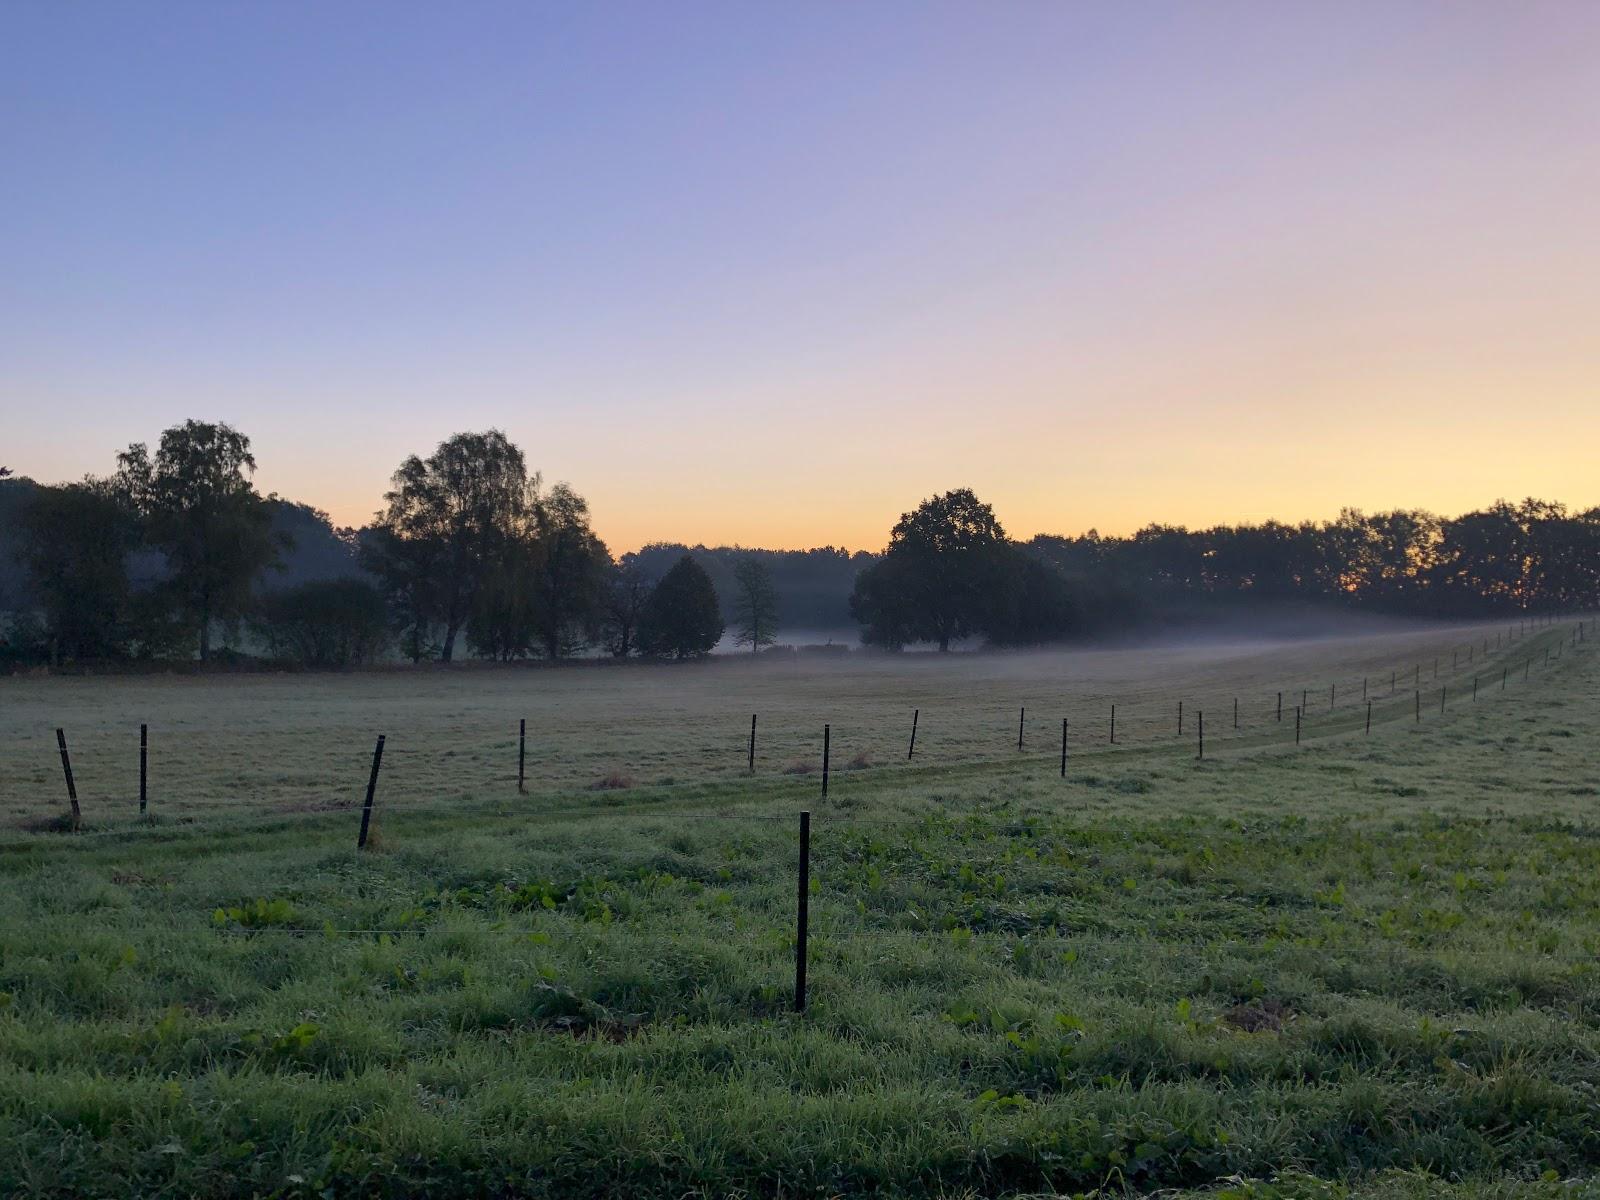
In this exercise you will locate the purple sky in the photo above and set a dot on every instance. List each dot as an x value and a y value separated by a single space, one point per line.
773 273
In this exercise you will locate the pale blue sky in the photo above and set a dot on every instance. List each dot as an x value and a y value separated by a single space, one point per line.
772 273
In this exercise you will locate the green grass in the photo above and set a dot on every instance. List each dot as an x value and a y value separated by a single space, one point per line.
1364 966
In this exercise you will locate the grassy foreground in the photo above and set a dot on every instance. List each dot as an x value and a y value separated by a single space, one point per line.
1366 965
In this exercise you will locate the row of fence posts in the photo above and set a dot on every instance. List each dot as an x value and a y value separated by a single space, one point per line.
803 873
1300 711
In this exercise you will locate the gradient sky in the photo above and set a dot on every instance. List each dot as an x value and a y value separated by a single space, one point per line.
772 273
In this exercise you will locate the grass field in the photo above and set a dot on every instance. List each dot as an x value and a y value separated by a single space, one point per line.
1364 964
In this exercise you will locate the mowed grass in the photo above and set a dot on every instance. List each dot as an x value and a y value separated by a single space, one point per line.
1367 963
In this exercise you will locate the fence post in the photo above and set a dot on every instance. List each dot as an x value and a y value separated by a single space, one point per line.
1441 698
1200 732
1331 686
66 769
1369 716
912 749
522 755
144 768
1419 705
1236 712
1063 747
752 743
1022 714
825 748
802 912
1503 678
1296 726
1280 706
372 787
1113 724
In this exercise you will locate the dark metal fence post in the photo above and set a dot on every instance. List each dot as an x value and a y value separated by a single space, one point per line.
1280 706
752 743
372 788
1296 726
912 749
522 754
825 751
1236 712
66 769
802 913
1419 704
1369 716
1113 724
1022 714
144 768
1063 747
1180 718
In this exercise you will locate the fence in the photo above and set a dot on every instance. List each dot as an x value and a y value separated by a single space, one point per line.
1397 705
1125 727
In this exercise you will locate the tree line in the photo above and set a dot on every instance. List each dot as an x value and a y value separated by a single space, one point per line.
473 554
470 550
950 572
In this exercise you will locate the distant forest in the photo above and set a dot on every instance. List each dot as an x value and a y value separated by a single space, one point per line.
472 555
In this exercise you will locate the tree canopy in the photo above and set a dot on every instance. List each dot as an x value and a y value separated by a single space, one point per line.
199 508
755 605
681 619
941 578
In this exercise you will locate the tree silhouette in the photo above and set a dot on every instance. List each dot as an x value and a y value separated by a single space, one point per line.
449 520
681 619
755 606
939 579
201 511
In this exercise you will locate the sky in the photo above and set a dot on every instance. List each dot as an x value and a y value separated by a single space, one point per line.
770 274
